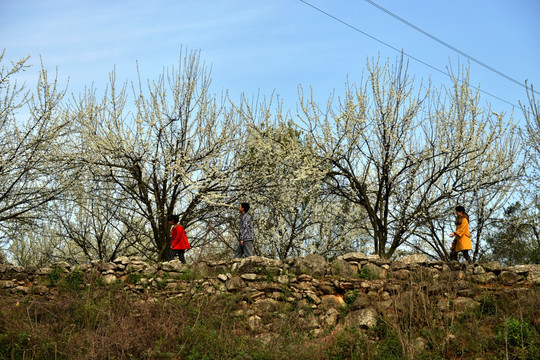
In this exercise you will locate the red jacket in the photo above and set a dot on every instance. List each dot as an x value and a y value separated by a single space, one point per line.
179 239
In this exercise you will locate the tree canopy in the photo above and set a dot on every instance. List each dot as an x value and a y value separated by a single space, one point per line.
379 170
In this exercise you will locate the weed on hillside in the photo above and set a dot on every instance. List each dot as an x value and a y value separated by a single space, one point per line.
106 322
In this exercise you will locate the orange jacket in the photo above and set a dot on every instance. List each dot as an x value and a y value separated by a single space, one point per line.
462 234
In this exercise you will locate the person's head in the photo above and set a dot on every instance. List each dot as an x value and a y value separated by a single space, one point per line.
460 210
173 219
244 207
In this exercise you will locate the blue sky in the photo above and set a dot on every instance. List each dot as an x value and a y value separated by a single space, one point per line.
265 46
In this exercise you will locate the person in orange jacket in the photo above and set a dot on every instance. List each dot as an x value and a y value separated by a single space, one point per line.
179 241
462 235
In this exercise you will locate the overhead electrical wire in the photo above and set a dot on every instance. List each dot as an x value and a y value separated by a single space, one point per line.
448 45
401 51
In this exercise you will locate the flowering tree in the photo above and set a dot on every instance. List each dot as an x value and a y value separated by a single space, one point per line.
404 155
96 221
34 169
488 173
172 152
531 112
293 212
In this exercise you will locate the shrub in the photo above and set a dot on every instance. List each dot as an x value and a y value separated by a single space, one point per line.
367 273
351 296
389 347
189 275
489 306
134 278
75 279
348 344
54 275
515 332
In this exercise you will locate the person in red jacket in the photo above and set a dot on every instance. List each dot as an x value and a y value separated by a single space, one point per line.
179 241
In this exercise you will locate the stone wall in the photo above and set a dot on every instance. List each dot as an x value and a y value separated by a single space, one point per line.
365 286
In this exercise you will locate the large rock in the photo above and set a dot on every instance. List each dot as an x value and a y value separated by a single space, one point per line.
31 269
249 277
343 268
330 317
314 265
492 266
309 322
235 283
333 301
313 298
464 303
365 318
524 269
109 279
414 259
534 277
327 287
360 302
398 266
6 284
44 271
259 265
485 278
509 277
439 288
124 260
60 264
266 306
372 271
357 256
479 270
401 274
99 265
174 266
137 266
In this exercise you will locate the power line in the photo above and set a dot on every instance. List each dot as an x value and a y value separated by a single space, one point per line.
448 45
402 51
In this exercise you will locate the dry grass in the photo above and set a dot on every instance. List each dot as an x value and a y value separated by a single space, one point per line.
103 322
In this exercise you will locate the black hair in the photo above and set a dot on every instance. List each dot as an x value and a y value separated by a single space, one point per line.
461 209
174 218
245 206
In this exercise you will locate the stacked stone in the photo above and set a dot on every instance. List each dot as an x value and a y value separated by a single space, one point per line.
364 286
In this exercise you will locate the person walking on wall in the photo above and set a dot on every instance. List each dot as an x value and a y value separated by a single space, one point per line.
245 246
179 241
462 236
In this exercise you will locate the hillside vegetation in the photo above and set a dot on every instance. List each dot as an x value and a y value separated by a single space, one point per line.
258 308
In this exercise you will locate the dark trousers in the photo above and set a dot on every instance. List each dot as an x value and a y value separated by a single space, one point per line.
244 251
179 253
453 256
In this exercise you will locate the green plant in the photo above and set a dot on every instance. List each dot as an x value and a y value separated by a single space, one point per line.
87 315
285 293
515 332
351 296
367 273
13 343
270 276
134 278
389 346
489 306
75 279
161 282
189 274
55 275
348 344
